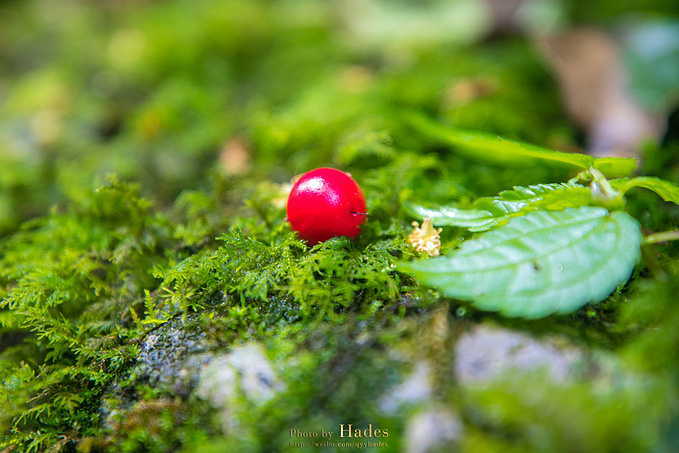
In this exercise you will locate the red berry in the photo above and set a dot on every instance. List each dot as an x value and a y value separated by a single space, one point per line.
325 203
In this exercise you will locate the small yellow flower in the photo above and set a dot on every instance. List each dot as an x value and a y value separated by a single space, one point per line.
425 239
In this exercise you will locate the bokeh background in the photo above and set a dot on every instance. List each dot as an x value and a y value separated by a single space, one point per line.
170 93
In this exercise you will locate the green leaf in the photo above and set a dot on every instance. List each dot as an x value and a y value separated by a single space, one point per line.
665 189
448 216
494 149
492 210
540 263
548 196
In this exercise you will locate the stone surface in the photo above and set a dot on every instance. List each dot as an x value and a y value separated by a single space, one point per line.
243 371
486 352
415 388
173 355
433 429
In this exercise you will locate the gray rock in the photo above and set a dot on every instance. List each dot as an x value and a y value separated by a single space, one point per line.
486 352
416 388
433 429
244 371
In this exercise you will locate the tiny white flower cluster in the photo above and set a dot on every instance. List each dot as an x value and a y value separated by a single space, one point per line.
426 238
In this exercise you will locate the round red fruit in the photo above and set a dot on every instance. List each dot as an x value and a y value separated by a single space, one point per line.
325 203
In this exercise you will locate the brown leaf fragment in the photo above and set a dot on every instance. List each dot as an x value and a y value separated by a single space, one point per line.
234 157
595 89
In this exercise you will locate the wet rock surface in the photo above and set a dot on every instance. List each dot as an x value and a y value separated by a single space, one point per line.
173 355
170 358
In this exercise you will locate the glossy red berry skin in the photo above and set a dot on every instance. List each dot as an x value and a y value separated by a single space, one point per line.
325 203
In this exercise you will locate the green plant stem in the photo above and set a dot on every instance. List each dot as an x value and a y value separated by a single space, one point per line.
662 237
